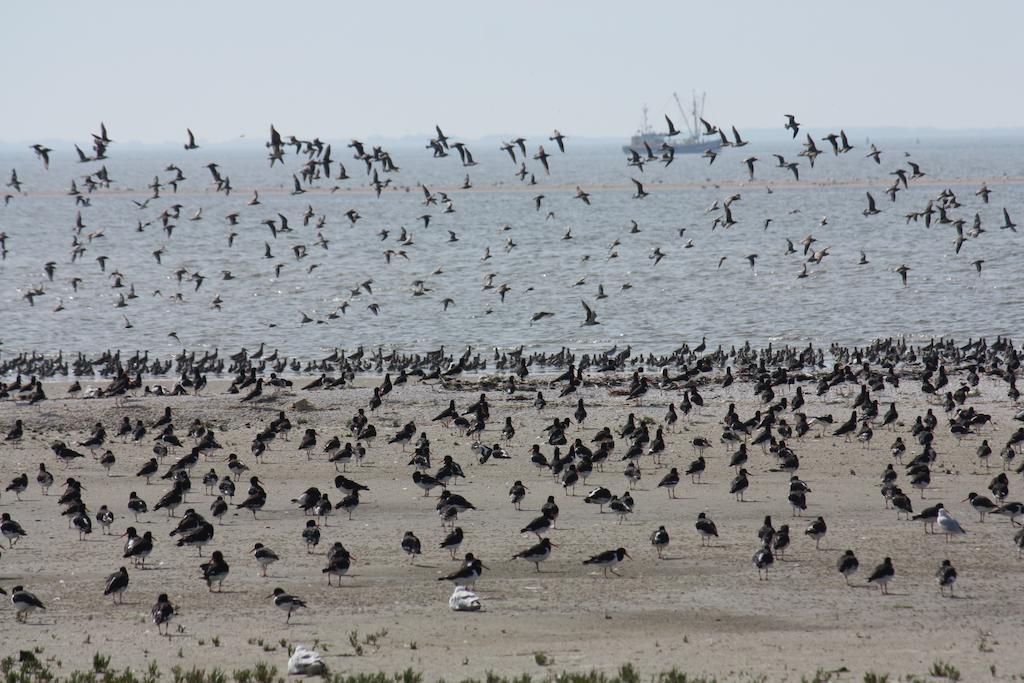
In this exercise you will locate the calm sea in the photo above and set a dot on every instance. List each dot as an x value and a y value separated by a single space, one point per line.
690 294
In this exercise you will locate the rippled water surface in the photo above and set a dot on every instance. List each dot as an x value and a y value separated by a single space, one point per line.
688 295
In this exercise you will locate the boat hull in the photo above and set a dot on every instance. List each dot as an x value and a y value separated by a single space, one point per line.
682 148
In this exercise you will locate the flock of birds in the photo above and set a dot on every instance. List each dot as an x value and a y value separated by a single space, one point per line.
318 169
564 454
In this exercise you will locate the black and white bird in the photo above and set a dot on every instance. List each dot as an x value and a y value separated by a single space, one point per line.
339 561
24 603
981 504
536 553
817 530
116 585
468 575
10 529
670 481
946 577
264 557
660 540
454 538
882 575
286 603
215 571
311 535
706 528
740 484
162 613
411 545
608 559
848 565
197 537
763 560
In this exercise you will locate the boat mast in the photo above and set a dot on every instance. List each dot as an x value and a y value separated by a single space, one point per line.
703 96
686 119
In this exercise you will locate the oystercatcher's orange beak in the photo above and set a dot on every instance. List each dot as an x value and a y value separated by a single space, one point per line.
628 555
554 545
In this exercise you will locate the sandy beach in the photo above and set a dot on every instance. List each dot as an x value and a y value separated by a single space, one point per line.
701 609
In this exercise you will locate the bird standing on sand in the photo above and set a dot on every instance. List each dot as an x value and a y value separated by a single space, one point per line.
608 559
24 603
286 603
162 613
949 526
215 571
946 577
660 540
264 557
116 585
882 575
848 565
536 553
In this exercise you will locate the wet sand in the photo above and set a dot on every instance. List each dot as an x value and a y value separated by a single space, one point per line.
702 610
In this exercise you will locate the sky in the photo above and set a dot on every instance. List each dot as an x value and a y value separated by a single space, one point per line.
335 70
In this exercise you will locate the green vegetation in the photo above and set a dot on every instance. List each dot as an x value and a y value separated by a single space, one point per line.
943 669
32 667
372 640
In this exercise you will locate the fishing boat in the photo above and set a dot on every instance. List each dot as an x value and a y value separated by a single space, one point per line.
689 141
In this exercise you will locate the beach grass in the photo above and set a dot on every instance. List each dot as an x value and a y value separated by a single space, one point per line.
31 667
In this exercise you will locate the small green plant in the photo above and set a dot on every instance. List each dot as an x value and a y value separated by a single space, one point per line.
541 659
353 640
943 669
263 673
413 646
628 674
408 676
820 676
215 640
872 677
100 663
373 639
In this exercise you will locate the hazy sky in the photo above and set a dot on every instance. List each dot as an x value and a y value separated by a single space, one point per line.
339 69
